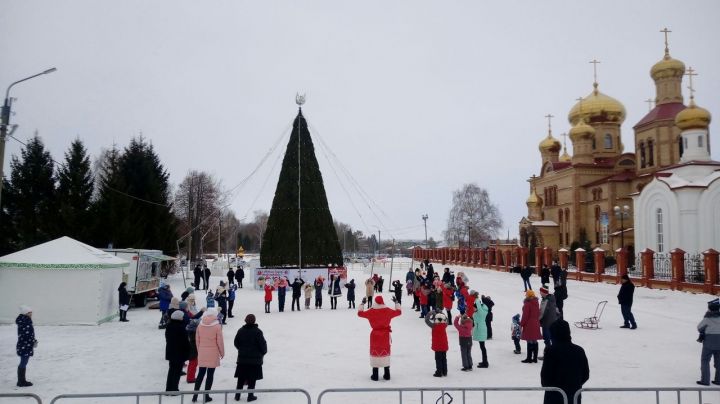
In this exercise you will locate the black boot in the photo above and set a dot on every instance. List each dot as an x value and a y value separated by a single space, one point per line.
536 347
529 350
21 378
386 375
374 374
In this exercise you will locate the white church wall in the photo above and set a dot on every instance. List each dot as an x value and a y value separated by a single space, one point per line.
709 228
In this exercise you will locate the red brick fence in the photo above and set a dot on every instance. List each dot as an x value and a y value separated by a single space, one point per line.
698 273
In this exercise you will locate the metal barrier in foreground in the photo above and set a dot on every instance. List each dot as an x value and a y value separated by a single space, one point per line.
448 395
3 396
171 396
656 390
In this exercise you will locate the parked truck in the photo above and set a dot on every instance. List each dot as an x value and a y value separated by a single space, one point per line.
144 272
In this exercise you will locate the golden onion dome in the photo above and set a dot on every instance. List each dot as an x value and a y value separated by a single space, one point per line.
533 199
549 144
565 157
693 117
581 130
667 67
597 107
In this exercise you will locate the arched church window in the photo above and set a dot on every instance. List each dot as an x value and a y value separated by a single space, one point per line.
700 141
608 141
642 154
681 149
593 144
651 153
560 220
567 225
660 236
597 225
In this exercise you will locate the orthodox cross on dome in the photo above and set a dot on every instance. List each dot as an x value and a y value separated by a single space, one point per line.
650 102
299 99
690 73
564 136
595 62
666 32
580 102
549 118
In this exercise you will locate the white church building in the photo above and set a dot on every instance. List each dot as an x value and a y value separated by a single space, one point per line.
680 207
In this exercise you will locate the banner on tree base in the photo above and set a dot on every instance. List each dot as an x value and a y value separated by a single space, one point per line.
261 275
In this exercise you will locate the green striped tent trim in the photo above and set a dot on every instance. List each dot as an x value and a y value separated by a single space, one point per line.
26 265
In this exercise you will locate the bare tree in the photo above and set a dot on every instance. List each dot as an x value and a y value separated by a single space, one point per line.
473 219
198 203
259 225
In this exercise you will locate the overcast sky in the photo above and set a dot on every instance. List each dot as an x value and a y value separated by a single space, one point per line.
414 98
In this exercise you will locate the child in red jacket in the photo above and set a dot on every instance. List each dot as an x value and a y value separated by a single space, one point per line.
268 295
438 323
422 294
464 325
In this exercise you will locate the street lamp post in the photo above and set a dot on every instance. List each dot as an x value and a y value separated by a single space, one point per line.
622 214
425 218
5 121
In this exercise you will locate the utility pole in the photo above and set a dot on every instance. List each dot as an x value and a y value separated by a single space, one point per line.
425 218
378 246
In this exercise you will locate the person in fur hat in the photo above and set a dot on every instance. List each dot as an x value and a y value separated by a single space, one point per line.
438 323
221 298
351 293
177 349
379 317
211 349
369 291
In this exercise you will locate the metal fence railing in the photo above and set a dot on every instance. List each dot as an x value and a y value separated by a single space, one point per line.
663 266
184 396
703 394
694 269
21 396
440 395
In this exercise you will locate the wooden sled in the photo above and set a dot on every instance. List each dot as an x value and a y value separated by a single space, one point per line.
593 323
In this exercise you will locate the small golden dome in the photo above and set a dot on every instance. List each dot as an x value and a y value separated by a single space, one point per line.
693 117
549 144
533 199
581 130
597 107
667 67
565 156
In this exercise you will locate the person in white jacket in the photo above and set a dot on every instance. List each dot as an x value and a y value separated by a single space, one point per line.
709 329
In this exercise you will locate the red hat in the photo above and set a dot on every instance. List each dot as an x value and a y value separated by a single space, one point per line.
544 291
379 300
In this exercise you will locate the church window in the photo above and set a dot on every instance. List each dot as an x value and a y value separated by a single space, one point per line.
642 154
593 144
700 141
681 149
567 224
651 153
659 222
597 225
608 141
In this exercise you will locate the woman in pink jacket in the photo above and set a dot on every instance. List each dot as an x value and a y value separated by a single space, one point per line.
210 347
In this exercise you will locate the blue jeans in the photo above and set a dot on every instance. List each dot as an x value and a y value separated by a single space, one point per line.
23 362
628 317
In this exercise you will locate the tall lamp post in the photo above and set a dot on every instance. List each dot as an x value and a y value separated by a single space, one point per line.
622 214
425 218
5 121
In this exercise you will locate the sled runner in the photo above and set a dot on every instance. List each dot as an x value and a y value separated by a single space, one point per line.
593 322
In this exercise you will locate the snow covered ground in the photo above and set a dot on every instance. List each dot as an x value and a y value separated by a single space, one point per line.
321 349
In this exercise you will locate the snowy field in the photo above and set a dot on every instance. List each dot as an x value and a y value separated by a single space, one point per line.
321 349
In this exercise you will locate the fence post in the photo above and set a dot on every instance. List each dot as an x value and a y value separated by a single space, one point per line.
648 266
580 261
507 260
481 257
599 261
563 258
538 259
621 260
523 257
677 260
547 256
710 262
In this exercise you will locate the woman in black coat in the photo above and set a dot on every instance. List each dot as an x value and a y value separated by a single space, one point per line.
123 301
177 349
239 275
251 347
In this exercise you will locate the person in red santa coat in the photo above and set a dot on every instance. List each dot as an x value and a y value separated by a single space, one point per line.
379 317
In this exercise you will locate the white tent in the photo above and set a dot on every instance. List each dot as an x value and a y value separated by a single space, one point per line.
64 281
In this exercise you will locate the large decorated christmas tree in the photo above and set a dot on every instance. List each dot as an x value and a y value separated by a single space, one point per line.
314 243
